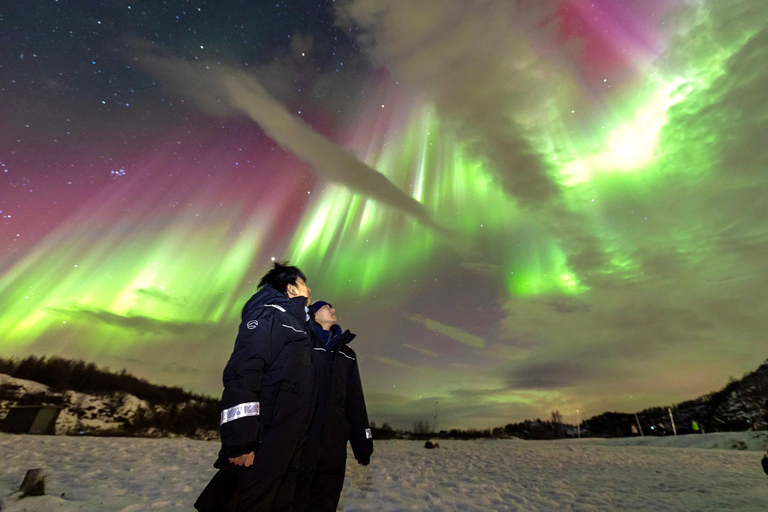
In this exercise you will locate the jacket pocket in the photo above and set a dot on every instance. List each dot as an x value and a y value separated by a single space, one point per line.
285 389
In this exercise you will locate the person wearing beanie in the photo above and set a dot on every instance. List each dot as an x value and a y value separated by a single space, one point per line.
340 417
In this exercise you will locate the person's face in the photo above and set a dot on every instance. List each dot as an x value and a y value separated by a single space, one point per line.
300 289
326 315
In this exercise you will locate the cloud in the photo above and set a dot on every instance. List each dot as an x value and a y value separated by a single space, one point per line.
501 78
455 333
567 305
677 272
226 90
172 367
421 350
141 324
488 67
458 410
160 295
557 375
393 362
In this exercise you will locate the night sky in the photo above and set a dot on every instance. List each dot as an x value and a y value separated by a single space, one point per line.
519 207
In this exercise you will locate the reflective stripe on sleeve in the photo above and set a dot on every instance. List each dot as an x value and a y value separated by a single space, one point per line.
368 434
239 411
294 329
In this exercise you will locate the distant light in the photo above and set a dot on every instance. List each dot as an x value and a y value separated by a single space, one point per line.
273 258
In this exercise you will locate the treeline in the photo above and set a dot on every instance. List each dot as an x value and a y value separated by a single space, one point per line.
422 431
64 374
539 429
192 419
741 405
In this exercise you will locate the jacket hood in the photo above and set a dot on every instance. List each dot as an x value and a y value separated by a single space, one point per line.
268 295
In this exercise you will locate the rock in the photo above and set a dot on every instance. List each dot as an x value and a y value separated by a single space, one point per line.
33 484
429 445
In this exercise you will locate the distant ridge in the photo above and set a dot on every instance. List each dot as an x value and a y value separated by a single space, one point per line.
740 405
100 402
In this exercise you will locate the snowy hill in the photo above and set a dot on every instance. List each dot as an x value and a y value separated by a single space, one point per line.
114 413
82 412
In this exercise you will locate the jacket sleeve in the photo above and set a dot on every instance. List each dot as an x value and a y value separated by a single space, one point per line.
240 401
360 433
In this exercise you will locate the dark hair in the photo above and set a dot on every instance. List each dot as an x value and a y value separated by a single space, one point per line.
281 276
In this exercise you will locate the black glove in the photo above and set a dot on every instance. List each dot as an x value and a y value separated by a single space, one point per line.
765 464
367 460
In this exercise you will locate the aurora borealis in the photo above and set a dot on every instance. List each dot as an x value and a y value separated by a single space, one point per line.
519 207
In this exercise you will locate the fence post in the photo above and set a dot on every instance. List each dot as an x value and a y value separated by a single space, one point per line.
672 420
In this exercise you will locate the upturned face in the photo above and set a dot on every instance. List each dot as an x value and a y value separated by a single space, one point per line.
326 315
300 289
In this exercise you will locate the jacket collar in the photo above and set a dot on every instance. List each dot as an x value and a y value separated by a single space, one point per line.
335 337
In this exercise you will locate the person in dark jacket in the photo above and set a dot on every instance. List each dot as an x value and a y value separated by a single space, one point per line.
268 399
765 457
340 416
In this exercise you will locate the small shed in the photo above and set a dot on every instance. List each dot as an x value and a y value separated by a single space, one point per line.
31 419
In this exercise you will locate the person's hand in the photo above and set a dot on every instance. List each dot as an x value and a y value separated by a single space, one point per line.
364 462
243 460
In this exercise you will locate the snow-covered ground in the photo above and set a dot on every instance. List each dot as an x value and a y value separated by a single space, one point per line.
685 473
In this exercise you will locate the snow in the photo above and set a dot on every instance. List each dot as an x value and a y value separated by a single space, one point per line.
26 386
666 474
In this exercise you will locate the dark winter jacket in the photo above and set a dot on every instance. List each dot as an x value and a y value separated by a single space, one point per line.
340 415
269 376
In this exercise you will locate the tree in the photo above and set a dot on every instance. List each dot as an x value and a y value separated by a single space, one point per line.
557 424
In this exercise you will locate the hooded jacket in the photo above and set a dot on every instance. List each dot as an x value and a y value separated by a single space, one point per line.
341 414
268 381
